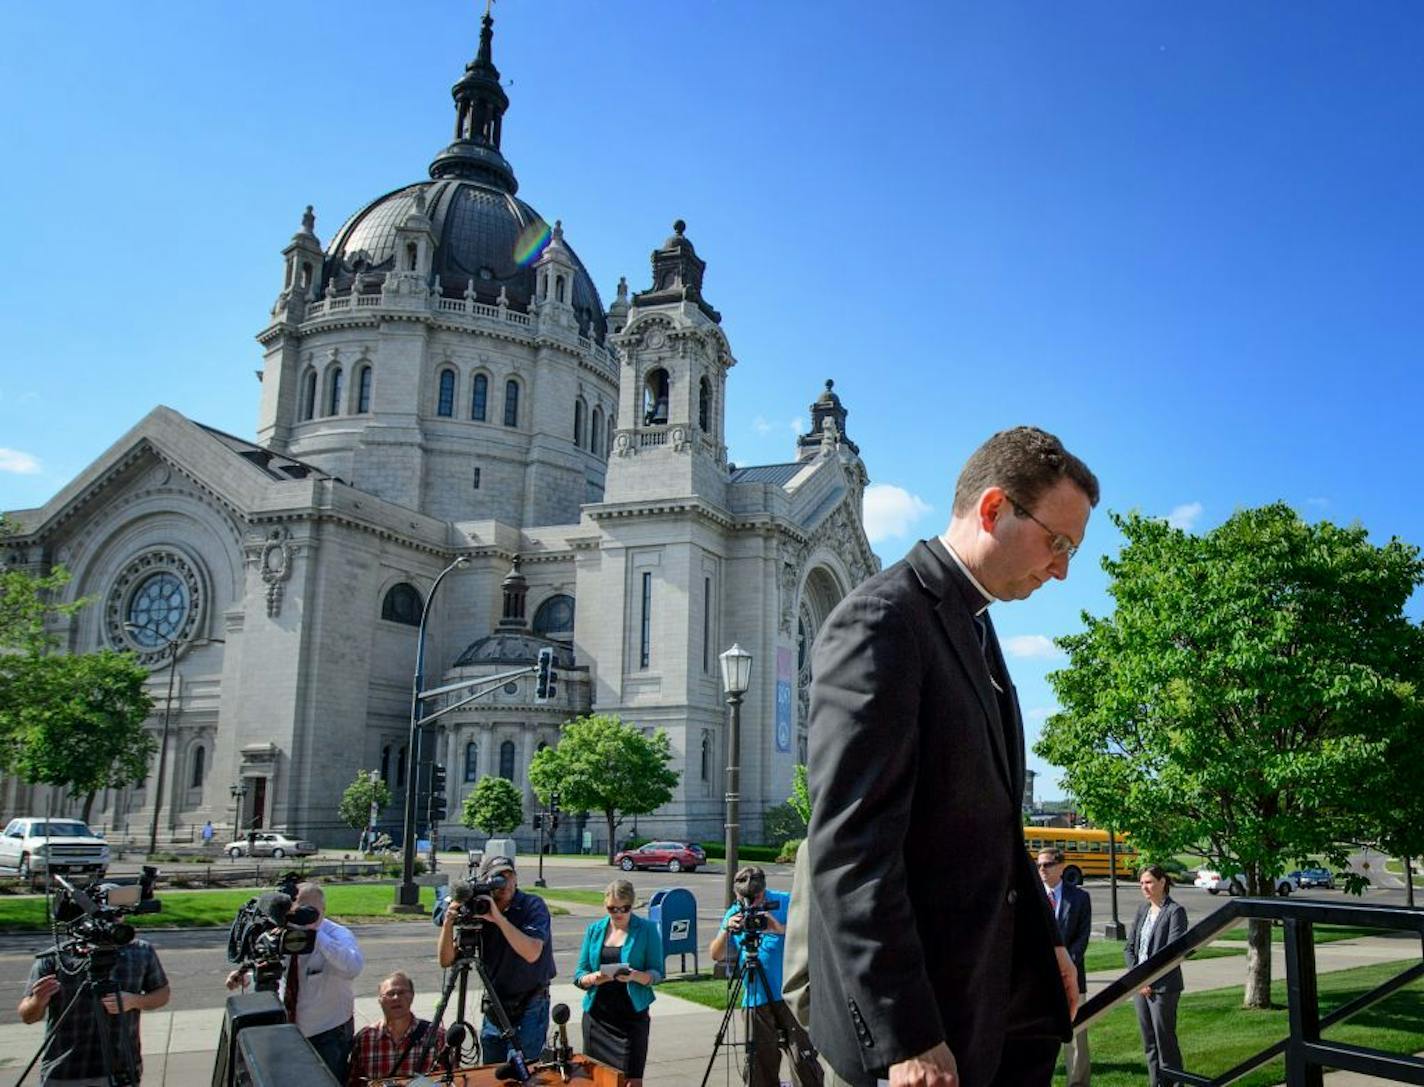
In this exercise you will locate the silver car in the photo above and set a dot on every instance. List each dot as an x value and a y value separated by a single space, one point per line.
268 843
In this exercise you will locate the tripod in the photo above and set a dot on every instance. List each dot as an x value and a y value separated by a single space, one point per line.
468 955
748 973
98 967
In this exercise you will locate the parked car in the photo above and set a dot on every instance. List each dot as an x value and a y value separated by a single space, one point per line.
674 856
1213 882
267 843
31 846
1314 877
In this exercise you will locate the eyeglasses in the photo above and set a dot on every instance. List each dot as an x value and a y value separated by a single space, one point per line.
1058 543
619 909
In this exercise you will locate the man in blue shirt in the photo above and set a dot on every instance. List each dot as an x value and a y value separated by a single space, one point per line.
772 1027
517 948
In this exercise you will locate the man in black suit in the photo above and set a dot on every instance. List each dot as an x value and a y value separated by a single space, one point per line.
933 958
1074 911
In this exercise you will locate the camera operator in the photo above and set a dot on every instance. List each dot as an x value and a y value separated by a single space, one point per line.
517 948
316 988
756 923
75 1056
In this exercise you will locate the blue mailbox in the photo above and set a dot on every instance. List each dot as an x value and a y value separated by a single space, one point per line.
674 911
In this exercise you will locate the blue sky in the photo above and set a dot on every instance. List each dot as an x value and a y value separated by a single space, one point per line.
1186 238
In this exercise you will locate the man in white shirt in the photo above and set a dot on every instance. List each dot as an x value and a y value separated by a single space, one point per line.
325 998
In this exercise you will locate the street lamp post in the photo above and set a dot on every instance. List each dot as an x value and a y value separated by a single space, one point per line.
237 791
736 678
408 894
1113 930
172 645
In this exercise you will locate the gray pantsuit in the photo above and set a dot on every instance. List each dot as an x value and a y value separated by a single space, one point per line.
1157 1019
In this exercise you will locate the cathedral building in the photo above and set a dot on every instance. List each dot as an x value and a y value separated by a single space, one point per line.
441 381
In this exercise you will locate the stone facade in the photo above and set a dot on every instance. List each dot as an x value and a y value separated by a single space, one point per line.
404 422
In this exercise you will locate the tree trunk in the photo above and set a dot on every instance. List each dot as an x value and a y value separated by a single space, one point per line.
1258 964
608 813
89 806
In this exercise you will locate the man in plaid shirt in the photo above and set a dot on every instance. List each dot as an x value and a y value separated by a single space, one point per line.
392 1047
75 1057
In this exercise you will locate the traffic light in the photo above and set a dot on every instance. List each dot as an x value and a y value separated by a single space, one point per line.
438 801
538 820
546 685
554 811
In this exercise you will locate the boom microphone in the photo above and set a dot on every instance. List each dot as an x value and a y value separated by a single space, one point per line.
461 892
276 906
454 1042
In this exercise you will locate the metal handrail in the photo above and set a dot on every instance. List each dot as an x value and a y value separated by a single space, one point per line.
1306 1054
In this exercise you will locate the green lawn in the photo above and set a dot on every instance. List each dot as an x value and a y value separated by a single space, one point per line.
1324 934
1217 1033
345 902
1107 954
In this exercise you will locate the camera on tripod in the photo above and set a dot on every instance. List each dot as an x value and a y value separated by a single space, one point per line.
269 927
93 916
469 898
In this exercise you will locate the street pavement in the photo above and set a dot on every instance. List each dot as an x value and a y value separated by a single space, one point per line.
179 1041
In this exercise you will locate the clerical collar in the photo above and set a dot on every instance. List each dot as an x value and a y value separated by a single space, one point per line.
989 597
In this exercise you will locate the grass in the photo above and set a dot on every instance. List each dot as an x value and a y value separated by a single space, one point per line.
1324 934
1107 954
1217 1033
345 902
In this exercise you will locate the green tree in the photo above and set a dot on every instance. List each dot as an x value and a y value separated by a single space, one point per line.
356 801
603 765
72 721
1243 698
494 806
800 797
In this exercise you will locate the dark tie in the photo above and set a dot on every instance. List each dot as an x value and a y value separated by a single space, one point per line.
289 996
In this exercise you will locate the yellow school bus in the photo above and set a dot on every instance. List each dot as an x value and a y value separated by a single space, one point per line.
1085 851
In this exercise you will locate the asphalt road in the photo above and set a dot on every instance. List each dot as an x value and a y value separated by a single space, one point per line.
195 959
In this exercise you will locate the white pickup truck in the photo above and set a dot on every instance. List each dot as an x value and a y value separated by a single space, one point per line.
1213 882
32 846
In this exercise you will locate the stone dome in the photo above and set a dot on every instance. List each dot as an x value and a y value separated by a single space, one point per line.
484 236
508 647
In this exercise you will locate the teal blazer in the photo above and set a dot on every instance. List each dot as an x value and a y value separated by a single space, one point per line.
642 950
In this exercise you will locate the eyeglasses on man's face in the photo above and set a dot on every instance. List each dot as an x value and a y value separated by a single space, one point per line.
619 909
1058 543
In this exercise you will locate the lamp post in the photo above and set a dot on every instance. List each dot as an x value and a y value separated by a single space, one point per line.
736 678
1113 930
172 646
408 894
237 792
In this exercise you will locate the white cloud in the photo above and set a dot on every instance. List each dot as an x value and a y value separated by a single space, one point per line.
1040 713
22 464
891 511
798 426
1031 647
1185 516
761 426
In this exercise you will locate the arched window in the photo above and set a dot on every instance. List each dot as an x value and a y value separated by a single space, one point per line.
386 764
363 390
704 405
555 617
445 406
578 423
199 757
655 398
306 274
411 252
400 768
402 605
595 432
333 398
706 755
309 396
479 398
559 288
511 403
472 762
506 760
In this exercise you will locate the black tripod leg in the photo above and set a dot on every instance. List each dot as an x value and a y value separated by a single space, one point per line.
733 994
459 975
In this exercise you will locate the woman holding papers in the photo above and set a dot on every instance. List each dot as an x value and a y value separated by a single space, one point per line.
619 963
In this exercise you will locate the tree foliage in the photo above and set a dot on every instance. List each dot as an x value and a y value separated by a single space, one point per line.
1244 698
603 765
800 797
66 720
494 806
355 806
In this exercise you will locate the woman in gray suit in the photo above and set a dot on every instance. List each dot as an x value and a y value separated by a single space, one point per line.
1159 921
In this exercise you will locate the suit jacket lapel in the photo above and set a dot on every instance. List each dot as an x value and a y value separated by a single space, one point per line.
1013 725
943 579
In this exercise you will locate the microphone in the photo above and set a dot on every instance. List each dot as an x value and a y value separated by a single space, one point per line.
514 1068
461 892
454 1042
563 1052
276 906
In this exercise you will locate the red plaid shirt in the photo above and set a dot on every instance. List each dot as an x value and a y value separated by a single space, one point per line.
374 1053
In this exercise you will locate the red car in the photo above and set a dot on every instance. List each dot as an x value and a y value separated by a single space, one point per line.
674 856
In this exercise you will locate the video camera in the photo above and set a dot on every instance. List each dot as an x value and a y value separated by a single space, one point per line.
93 915
754 918
269 926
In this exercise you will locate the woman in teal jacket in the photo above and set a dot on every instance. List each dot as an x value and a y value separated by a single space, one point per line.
619 963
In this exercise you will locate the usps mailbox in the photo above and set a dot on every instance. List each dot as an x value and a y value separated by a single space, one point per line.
674 911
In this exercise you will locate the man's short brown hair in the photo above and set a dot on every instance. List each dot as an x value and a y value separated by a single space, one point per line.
1025 462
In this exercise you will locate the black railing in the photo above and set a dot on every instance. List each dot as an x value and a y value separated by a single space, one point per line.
1307 1055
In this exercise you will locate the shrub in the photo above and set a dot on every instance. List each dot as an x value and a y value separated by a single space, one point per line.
782 823
788 851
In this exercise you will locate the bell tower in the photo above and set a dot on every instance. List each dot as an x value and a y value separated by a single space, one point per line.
672 387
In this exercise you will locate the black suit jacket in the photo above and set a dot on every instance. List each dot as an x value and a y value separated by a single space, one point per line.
1075 924
1171 923
928 922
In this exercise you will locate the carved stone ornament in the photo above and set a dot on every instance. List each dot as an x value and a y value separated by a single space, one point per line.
681 440
275 562
655 338
623 444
